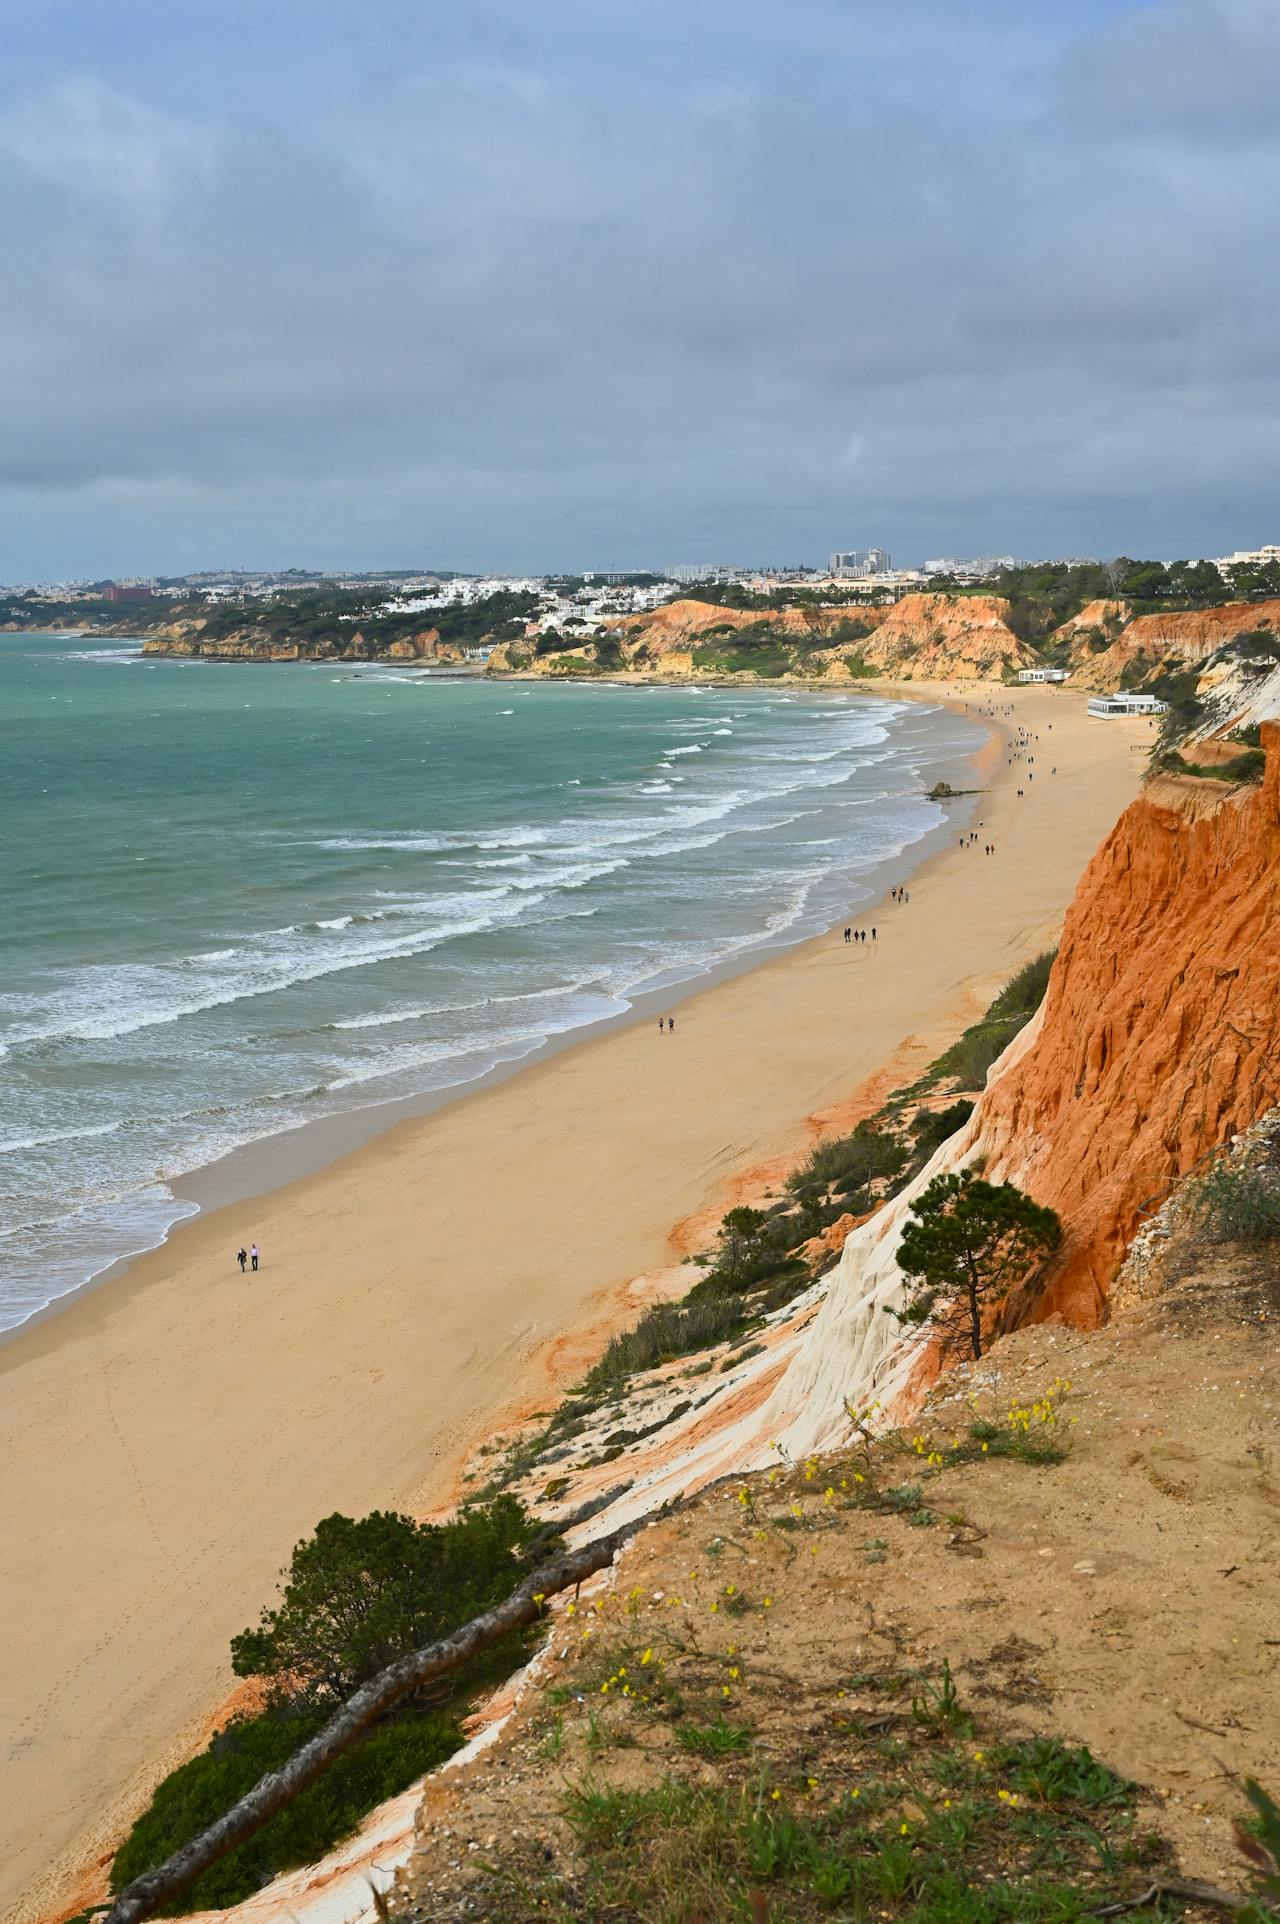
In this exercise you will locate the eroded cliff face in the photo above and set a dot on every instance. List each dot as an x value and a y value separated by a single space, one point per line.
931 637
1159 1034
922 637
186 639
1158 1040
680 626
1237 694
946 638
1184 640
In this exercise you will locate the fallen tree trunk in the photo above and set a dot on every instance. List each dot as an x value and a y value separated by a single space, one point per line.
146 1893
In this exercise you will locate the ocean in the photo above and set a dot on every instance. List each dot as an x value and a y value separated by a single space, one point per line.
237 898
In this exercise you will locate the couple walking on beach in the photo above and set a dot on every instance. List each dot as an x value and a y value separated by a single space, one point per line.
249 1255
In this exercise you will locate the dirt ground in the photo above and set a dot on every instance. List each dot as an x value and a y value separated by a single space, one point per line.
1125 1597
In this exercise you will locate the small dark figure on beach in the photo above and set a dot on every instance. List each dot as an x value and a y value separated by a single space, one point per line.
848 935
253 1258
873 935
671 1025
242 1257
662 1023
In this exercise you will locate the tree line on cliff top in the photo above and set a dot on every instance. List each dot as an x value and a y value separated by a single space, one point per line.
1042 594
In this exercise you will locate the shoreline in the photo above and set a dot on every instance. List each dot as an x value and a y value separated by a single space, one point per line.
267 1163
170 1435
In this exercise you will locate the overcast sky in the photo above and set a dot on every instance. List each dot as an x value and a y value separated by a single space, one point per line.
485 283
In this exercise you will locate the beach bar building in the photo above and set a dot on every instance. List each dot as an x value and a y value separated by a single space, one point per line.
1122 703
1044 674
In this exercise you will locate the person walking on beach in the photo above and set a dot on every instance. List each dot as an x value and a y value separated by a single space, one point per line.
253 1257
873 935
671 1025
242 1257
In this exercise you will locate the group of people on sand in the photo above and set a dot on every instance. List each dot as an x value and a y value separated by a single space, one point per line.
247 1256
852 935
667 1021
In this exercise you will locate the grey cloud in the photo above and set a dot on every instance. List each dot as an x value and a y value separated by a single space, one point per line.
91 141
510 312
1189 70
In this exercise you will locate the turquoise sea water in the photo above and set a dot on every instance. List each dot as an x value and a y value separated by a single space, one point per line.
234 898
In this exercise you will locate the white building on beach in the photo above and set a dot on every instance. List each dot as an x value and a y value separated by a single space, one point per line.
1044 674
1122 703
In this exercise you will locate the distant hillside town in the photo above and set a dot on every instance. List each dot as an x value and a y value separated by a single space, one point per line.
596 594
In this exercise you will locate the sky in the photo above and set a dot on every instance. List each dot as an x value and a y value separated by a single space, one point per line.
485 285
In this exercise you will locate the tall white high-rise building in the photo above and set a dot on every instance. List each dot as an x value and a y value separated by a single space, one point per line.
857 564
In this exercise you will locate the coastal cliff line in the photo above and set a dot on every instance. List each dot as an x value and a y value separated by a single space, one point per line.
1155 1044
1153 1048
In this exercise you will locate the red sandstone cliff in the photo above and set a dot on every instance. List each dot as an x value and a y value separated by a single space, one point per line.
936 637
1184 640
1159 1038
946 637
678 626
1160 1033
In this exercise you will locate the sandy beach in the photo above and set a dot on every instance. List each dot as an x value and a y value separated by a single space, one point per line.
171 1434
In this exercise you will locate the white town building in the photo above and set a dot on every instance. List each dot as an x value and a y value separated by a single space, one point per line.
1250 557
1044 674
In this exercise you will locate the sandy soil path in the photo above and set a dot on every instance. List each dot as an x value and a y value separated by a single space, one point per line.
166 1439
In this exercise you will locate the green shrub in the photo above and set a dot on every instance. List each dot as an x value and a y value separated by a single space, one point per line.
666 1331
848 1164
1248 766
359 1595
969 1058
1238 1201
1023 993
1256 641
1186 709
933 1127
736 659
850 628
393 1755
